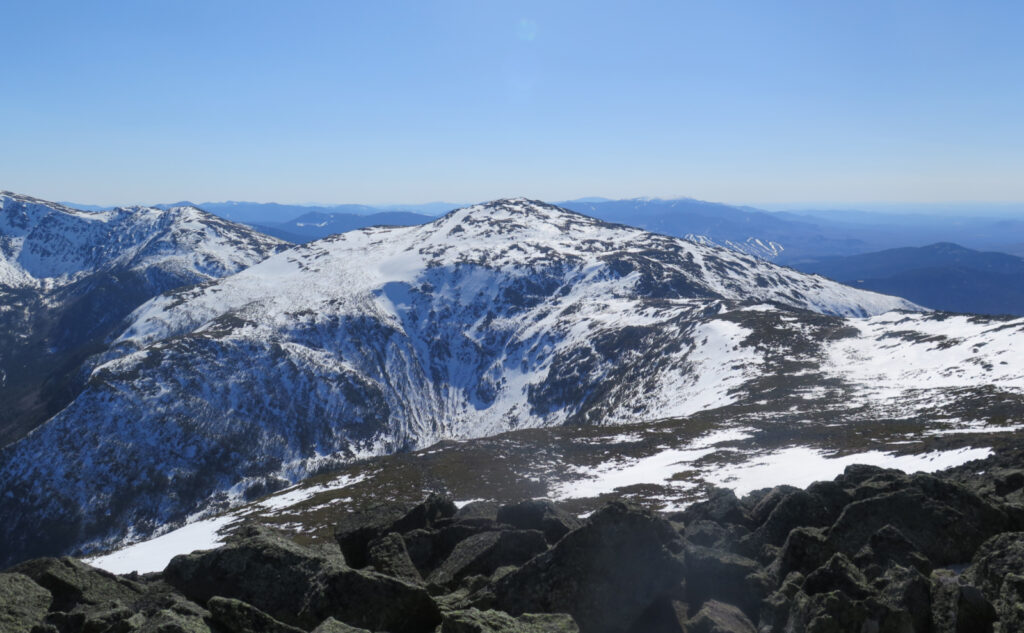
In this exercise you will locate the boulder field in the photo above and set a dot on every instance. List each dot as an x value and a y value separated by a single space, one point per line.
872 551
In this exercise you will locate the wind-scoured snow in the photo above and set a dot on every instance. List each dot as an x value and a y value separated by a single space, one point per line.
898 361
655 469
796 466
290 497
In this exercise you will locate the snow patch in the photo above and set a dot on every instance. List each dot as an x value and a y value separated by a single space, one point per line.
154 555
802 466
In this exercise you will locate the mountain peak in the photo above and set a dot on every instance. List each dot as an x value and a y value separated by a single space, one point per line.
507 216
518 205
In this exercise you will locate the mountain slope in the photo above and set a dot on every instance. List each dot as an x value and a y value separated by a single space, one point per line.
507 315
942 276
69 277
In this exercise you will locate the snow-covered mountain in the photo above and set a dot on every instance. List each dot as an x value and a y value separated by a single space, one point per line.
45 244
68 278
507 315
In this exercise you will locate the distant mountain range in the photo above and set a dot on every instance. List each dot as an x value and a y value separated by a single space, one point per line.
782 236
724 225
941 276
806 233
317 225
273 214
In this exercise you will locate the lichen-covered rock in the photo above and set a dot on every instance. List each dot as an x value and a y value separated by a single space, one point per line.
301 587
805 550
721 507
23 603
665 615
428 548
354 530
1000 555
484 553
389 556
539 514
330 625
997 570
476 621
604 574
371 601
238 617
906 590
723 576
708 534
761 503
838 574
257 566
945 522
958 608
425 514
718 617
72 582
797 509
888 547
478 511
1010 603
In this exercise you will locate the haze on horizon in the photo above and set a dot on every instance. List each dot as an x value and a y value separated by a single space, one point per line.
743 102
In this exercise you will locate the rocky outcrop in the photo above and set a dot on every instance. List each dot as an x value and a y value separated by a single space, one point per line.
302 587
22 602
873 550
605 573
476 621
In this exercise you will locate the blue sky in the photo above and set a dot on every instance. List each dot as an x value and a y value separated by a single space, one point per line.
745 102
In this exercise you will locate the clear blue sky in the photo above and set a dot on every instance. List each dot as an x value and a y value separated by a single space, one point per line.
373 101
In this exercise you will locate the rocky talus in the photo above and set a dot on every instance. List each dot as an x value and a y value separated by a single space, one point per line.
872 551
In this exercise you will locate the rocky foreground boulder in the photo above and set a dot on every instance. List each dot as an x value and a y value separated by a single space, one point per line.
872 551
